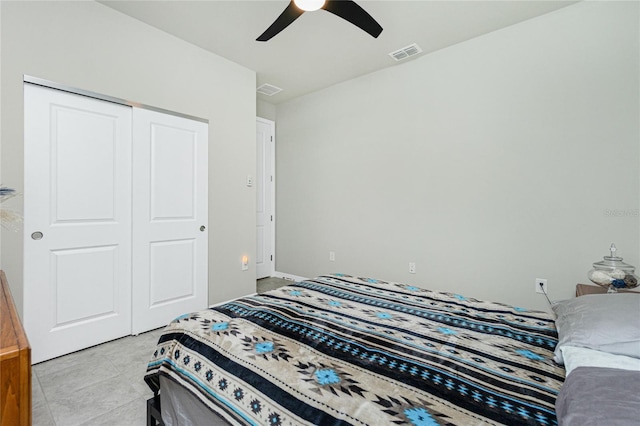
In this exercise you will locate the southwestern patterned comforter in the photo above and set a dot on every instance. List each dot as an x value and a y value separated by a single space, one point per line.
344 350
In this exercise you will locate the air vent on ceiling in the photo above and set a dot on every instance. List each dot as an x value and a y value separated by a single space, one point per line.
406 52
268 89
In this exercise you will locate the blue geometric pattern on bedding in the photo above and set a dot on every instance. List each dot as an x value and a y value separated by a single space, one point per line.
346 350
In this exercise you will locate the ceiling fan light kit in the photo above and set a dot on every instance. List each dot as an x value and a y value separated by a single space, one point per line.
346 9
309 5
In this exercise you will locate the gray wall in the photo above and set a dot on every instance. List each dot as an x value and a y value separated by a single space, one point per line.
265 110
490 163
92 47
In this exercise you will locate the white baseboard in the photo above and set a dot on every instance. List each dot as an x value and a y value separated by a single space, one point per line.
289 277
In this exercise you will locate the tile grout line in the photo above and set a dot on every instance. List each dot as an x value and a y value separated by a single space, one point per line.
45 402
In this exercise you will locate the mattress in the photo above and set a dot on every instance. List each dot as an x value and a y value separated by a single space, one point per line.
339 350
181 408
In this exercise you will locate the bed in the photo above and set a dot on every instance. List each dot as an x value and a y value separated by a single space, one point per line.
340 349
599 344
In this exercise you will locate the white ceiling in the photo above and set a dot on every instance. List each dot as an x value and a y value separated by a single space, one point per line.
320 49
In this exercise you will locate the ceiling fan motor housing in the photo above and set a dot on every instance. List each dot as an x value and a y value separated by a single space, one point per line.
346 9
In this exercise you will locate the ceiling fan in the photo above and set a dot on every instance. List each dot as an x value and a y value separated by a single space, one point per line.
345 9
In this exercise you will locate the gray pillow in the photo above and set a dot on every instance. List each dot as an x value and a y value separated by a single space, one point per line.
603 322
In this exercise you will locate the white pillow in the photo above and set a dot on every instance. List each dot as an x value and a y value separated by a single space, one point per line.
575 357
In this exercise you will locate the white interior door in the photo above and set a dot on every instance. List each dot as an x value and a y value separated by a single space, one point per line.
77 221
170 218
265 152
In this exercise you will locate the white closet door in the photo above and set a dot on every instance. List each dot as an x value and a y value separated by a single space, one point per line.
77 221
265 163
169 219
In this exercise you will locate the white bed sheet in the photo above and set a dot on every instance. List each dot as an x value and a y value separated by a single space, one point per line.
575 357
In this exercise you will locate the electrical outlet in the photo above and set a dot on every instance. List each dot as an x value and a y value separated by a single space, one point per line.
332 256
412 267
541 285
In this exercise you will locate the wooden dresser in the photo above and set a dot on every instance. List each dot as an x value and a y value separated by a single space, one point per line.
15 363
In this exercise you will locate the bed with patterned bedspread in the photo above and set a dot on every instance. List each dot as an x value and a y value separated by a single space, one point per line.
345 350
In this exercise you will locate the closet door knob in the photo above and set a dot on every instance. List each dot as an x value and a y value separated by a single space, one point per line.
202 228
37 235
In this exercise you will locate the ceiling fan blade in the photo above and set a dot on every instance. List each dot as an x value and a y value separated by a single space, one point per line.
290 14
353 13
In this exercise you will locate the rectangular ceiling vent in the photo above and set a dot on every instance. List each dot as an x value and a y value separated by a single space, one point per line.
406 52
268 89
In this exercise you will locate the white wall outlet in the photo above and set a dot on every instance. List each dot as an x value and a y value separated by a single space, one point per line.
332 256
245 263
249 180
412 267
541 285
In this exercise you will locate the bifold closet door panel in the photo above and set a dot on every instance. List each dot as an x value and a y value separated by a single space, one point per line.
170 225
77 221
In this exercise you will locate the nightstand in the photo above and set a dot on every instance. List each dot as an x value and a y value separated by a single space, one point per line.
583 289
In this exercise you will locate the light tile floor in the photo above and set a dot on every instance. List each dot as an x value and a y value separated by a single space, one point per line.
102 385
271 283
